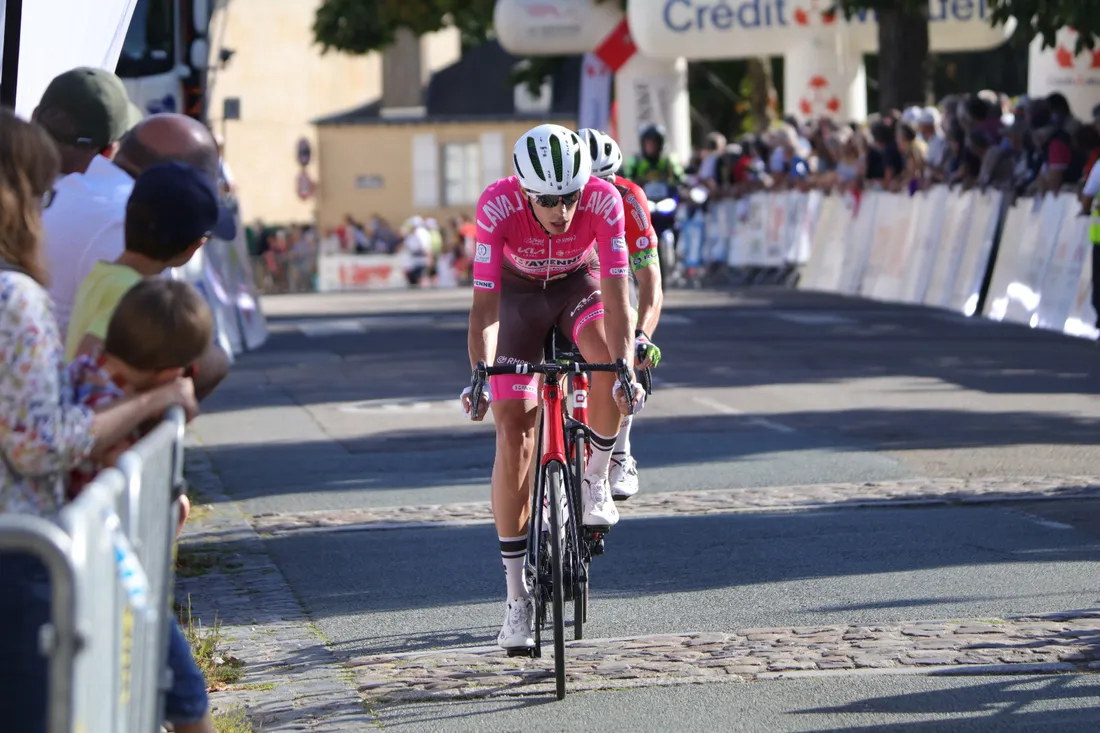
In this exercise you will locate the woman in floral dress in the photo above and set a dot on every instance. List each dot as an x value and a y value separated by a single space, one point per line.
43 433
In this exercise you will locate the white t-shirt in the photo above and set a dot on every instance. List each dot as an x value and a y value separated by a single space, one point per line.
1092 185
418 248
84 224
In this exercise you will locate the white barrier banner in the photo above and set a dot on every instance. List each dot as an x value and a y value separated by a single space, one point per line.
1083 317
952 240
857 241
1058 289
1035 248
802 243
975 251
344 272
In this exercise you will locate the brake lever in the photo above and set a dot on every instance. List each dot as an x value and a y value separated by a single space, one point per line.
626 383
477 385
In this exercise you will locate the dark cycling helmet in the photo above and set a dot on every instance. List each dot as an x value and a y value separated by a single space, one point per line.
654 132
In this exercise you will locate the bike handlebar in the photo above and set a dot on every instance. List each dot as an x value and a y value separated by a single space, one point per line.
482 372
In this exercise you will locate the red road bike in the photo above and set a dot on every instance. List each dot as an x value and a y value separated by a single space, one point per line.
559 546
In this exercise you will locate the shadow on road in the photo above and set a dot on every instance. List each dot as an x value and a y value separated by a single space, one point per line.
770 337
1004 704
424 458
383 572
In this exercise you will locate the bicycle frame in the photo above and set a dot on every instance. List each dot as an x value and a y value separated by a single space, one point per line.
553 425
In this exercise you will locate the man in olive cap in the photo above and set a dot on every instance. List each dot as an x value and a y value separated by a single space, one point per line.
86 111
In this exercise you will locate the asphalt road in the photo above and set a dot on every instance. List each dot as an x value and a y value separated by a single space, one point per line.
354 404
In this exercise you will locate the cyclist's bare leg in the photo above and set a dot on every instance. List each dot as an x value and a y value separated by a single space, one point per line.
603 419
603 414
515 423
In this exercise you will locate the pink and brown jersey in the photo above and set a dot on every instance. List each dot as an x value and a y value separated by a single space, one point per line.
509 236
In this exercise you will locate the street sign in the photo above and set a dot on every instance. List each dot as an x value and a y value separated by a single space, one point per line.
305 152
231 108
305 186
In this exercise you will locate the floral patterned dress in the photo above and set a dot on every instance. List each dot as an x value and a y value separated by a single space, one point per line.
43 434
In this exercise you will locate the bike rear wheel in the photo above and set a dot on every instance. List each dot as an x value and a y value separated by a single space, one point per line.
580 593
555 485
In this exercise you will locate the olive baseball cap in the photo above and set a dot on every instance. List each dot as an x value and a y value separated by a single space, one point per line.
86 107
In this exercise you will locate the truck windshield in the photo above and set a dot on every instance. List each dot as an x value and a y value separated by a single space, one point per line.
150 45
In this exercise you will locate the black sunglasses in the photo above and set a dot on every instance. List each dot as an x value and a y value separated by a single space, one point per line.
48 197
550 201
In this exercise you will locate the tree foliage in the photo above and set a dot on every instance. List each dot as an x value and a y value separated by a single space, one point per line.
1045 17
363 26
904 68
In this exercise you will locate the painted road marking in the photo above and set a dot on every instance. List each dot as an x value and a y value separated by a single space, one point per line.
727 410
812 319
408 404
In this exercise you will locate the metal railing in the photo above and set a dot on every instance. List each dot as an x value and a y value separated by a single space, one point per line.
110 561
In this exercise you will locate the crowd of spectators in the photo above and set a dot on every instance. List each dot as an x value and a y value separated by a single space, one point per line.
1025 146
97 204
285 258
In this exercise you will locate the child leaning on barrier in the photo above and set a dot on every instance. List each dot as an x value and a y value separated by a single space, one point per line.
157 331
156 334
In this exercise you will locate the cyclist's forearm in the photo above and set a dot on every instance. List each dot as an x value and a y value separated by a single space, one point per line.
620 334
650 298
482 338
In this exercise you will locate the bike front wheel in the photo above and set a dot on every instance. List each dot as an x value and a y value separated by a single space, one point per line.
555 485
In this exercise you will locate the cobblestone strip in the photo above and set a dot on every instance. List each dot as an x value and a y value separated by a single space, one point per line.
291 681
719 501
1046 643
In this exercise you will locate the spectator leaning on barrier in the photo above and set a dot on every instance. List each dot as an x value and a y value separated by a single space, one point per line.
85 223
157 331
43 434
171 212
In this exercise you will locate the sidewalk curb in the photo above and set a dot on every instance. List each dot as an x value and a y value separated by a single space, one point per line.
291 680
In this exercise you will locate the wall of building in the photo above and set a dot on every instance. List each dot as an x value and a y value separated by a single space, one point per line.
397 170
283 83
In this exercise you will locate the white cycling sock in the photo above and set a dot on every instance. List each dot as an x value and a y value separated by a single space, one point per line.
622 443
513 553
600 459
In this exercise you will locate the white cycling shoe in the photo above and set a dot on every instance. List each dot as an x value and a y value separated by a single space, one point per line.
624 478
519 624
599 507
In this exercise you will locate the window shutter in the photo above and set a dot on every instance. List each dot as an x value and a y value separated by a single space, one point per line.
492 158
425 179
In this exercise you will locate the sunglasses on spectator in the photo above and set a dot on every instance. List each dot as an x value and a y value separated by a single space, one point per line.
551 201
48 197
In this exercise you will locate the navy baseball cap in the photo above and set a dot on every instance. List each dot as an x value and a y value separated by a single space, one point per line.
181 204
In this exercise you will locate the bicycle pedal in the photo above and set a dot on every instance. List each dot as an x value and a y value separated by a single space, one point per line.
596 548
521 652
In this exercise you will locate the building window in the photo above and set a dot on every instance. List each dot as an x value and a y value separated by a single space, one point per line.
461 174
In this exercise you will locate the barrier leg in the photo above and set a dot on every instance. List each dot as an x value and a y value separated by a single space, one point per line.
58 640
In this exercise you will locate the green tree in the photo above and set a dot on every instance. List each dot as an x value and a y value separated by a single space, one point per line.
362 26
904 70
1045 17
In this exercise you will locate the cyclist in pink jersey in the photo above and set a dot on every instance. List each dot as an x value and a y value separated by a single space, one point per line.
551 251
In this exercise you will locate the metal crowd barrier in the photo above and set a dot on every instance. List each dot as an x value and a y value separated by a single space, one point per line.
975 252
110 558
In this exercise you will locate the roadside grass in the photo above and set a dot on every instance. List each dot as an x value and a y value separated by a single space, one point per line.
219 669
233 721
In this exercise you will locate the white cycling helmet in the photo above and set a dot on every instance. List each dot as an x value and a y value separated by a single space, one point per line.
551 160
607 159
